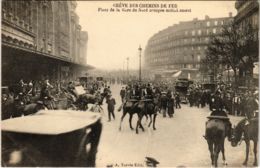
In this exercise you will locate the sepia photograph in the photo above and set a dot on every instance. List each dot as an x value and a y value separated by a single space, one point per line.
130 83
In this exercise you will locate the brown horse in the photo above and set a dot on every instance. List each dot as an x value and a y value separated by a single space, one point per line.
149 108
248 129
131 107
216 132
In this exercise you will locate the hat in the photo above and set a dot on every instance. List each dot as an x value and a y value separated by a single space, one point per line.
151 161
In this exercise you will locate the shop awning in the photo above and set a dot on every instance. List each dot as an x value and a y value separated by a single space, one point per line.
177 74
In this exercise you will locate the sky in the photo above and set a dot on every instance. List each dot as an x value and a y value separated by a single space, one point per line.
114 36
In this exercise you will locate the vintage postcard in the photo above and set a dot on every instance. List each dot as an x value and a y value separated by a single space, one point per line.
129 83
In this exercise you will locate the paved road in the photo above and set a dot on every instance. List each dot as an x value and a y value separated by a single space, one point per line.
177 141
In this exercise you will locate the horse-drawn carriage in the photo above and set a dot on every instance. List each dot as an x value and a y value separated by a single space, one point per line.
209 87
182 86
51 138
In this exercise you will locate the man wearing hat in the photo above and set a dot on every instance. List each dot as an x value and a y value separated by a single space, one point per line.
217 102
122 94
151 162
110 107
178 100
251 105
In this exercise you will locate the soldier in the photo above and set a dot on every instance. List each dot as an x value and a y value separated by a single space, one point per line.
149 91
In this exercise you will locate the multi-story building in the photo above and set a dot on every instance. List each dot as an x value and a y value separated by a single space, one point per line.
182 46
41 39
248 13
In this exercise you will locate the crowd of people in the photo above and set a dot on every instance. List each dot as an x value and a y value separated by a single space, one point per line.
241 103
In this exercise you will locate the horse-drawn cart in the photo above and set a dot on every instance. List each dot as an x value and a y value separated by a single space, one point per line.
51 139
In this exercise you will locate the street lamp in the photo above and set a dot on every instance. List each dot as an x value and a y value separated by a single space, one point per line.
140 52
127 70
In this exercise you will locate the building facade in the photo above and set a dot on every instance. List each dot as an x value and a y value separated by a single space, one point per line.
248 14
183 45
41 39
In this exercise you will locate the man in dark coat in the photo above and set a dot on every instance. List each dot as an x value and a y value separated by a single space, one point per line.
122 94
218 102
110 107
149 91
170 105
164 102
251 106
178 100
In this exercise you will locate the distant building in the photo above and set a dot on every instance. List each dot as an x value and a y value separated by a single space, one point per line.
42 39
181 47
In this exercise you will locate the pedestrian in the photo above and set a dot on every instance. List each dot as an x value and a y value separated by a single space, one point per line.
110 107
251 105
170 105
164 102
235 104
122 94
178 100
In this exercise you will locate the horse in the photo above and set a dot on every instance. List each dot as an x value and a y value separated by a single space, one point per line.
32 108
84 99
7 106
149 108
131 107
250 132
216 131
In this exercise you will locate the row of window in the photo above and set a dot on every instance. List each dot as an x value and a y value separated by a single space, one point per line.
172 46
198 32
178 66
191 58
190 65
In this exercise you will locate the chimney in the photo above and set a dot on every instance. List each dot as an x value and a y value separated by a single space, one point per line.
230 14
206 17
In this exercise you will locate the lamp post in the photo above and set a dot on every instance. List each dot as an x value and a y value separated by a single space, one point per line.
127 70
140 52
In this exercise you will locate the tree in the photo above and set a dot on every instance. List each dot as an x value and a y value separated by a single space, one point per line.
234 47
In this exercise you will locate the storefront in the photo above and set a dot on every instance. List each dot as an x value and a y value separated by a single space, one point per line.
19 63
